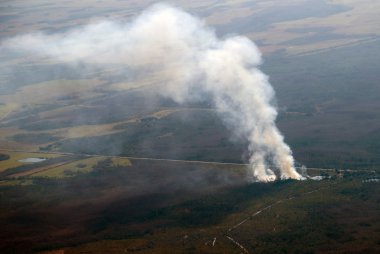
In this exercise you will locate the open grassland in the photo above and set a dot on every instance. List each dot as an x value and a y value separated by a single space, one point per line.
45 92
332 95
70 169
62 166
89 130
145 81
80 167
188 135
273 23
6 109
121 162
20 182
358 23
13 161
108 129
14 137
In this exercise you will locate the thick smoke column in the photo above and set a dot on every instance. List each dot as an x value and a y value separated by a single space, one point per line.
190 62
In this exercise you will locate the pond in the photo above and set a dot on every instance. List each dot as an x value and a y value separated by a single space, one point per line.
32 160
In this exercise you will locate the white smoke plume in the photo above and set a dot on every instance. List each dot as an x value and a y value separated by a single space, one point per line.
191 61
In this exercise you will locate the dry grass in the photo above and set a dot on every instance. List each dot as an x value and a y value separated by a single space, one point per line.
123 86
164 113
79 131
16 182
322 46
122 162
13 161
50 91
228 15
361 20
105 129
7 109
88 130
69 169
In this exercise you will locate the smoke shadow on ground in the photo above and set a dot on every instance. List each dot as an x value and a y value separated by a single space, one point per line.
116 202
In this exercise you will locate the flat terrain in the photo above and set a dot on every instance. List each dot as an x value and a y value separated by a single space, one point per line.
156 207
124 170
322 62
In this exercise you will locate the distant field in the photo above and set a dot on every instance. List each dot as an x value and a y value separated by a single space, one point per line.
331 94
272 23
13 161
121 162
6 109
46 92
80 167
356 21
56 168
336 93
70 169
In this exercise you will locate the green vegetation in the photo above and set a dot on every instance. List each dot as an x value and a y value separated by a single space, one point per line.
337 104
70 169
110 203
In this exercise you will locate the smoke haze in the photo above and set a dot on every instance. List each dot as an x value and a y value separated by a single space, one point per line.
191 62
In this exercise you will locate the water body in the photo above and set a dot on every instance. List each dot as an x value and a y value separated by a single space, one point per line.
32 160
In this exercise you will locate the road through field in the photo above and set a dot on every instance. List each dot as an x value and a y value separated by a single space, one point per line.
173 160
228 233
126 157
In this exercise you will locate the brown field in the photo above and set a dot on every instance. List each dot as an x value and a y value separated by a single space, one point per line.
360 19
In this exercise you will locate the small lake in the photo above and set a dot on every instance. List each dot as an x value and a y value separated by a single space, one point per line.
32 160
